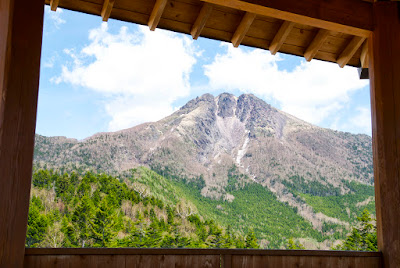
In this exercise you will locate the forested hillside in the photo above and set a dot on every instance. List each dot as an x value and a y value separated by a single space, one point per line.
96 210
141 208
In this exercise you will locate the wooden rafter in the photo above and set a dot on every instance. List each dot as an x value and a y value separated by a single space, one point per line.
306 12
316 44
155 15
242 29
349 51
201 20
280 36
364 55
54 4
106 11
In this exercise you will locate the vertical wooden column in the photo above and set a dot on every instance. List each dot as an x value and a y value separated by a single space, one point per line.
21 26
385 100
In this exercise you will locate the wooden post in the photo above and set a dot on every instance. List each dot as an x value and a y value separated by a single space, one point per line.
385 101
21 26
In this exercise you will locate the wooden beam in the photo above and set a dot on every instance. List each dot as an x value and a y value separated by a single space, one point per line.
21 26
316 44
364 55
242 29
280 36
384 70
54 4
350 50
155 15
350 17
201 20
106 10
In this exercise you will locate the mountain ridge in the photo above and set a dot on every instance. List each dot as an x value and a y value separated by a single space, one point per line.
209 135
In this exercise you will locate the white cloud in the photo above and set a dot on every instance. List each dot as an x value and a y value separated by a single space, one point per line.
141 73
55 16
358 123
312 91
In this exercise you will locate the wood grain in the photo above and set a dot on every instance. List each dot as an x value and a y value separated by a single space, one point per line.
201 20
53 5
242 28
350 50
21 26
307 12
280 37
364 58
316 44
181 16
385 105
155 15
107 7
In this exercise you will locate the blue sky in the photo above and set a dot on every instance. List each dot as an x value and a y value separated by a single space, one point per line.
98 77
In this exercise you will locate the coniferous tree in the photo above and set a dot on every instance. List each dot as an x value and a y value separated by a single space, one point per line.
251 240
37 224
363 238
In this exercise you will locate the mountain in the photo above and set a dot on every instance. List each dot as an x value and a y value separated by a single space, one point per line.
210 138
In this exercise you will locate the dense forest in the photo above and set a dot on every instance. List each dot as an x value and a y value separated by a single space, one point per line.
97 210
144 209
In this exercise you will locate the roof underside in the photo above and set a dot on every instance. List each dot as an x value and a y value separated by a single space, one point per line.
340 40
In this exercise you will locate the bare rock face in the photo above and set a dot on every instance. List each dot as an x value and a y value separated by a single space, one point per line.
209 135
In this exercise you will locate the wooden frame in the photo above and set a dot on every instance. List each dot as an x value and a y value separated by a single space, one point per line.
225 258
21 25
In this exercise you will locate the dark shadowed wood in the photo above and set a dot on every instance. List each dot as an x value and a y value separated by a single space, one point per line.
21 25
187 251
385 102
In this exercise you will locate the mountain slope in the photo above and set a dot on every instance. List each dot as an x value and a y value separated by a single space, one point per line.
208 136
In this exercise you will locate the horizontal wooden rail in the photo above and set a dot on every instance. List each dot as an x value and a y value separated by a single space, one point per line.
190 251
226 258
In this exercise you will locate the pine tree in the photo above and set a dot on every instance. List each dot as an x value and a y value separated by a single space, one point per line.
103 225
37 224
251 240
82 218
362 238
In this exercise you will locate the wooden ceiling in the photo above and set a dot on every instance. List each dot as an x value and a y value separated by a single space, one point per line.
334 30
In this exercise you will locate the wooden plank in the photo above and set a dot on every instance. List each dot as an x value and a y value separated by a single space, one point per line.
320 262
155 15
384 70
280 36
364 59
226 261
242 29
201 20
106 11
198 261
308 12
180 16
190 251
349 51
316 44
54 4
21 26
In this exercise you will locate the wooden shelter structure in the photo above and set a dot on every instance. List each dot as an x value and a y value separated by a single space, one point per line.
348 32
